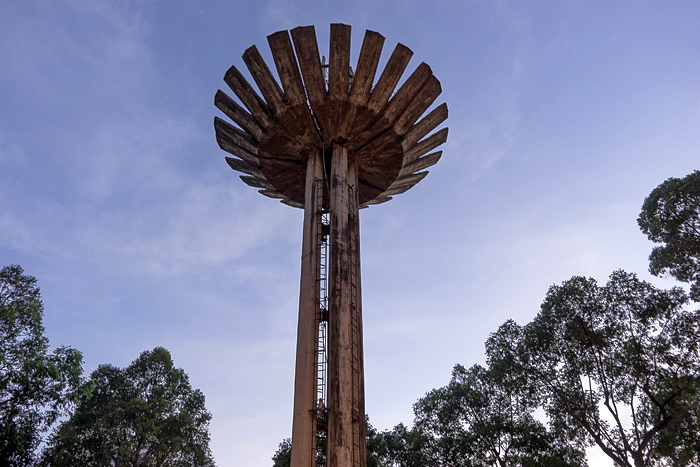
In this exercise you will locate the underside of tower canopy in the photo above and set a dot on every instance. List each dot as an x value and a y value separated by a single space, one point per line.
317 105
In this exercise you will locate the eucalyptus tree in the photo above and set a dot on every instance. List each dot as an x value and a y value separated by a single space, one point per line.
619 365
408 447
671 216
486 417
145 415
36 386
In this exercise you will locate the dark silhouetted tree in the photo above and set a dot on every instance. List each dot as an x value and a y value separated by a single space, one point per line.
618 364
144 415
485 417
671 216
36 386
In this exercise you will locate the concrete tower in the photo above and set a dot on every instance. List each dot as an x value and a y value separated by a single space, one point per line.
331 141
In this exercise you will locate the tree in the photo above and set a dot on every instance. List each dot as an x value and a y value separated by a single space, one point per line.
620 365
671 216
144 415
36 387
484 417
404 447
283 455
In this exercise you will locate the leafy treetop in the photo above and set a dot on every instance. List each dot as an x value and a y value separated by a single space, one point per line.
36 386
671 216
144 415
618 364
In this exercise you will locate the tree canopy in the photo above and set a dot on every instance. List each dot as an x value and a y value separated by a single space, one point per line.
618 364
144 415
283 455
485 417
406 447
36 386
671 216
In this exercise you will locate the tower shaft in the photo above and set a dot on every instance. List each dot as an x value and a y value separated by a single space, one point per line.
330 432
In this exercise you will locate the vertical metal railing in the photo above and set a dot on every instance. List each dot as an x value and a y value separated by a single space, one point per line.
321 354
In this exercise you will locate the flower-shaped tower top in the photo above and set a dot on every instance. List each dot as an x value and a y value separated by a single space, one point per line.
315 108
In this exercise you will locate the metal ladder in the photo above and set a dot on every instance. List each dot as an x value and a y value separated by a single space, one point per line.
321 353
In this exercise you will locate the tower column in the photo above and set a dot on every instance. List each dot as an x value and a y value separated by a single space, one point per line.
344 363
358 345
303 438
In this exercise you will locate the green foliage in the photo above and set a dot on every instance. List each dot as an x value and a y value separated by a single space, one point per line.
283 455
484 417
671 216
618 364
36 387
375 446
144 415
404 447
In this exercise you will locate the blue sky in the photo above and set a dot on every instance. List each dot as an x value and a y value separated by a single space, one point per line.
114 194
